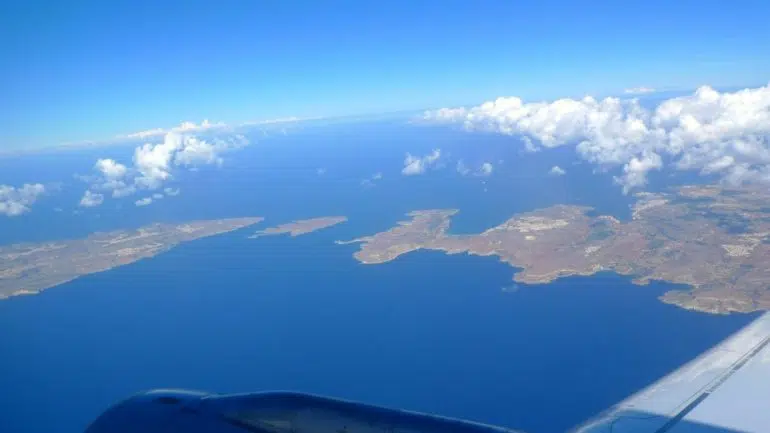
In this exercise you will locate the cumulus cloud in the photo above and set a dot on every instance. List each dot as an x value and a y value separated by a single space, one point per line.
192 151
557 171
91 199
111 169
111 178
639 90
144 201
171 192
15 201
418 165
708 131
155 163
486 169
635 171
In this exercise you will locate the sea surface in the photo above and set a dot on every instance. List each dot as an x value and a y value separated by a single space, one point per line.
426 332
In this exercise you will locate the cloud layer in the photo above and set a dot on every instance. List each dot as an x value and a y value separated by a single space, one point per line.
639 90
184 127
15 201
725 134
192 127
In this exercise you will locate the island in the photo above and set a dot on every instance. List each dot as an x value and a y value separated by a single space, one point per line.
27 269
712 239
301 227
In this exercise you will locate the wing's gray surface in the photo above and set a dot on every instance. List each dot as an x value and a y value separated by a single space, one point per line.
725 390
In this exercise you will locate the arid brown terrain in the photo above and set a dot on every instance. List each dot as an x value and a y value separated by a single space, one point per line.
301 227
28 269
715 240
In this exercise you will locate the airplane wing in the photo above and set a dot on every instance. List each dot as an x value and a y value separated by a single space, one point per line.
177 411
725 390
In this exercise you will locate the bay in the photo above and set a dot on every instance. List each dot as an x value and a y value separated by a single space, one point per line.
426 332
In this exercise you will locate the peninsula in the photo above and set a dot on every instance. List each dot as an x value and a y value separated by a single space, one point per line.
27 269
301 227
713 239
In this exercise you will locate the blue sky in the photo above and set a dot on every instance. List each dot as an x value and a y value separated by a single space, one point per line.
94 69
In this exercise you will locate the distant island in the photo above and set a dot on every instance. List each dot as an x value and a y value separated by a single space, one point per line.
301 227
27 269
715 240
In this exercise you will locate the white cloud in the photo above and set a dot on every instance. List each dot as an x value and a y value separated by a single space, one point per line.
712 132
418 165
157 196
194 151
639 90
123 190
91 199
529 146
144 201
446 114
110 169
15 201
171 192
635 171
290 119
462 168
372 180
111 177
153 162
183 127
192 126
145 134
486 169
187 128
557 171
719 164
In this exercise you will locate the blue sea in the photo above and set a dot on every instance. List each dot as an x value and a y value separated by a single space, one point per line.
427 332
